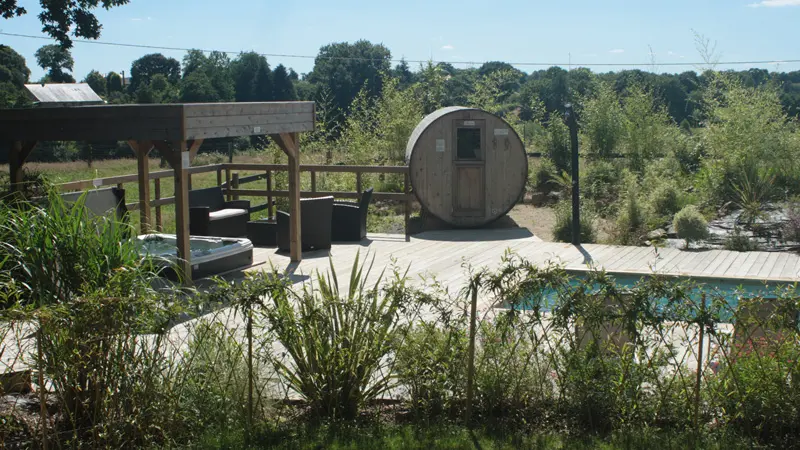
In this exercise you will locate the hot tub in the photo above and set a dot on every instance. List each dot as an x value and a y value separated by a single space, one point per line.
210 255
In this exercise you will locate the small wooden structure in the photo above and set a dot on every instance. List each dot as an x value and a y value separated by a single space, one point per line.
177 131
467 166
63 94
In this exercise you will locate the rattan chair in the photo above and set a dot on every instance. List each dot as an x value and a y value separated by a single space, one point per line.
315 224
350 219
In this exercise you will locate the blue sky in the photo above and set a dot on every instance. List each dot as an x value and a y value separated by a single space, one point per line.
581 31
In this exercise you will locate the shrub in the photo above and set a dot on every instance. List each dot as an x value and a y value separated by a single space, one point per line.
664 200
690 225
601 183
431 364
739 242
791 229
337 343
112 379
603 121
542 175
631 223
562 228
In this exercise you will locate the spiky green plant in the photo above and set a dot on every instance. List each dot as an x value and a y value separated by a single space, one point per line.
338 340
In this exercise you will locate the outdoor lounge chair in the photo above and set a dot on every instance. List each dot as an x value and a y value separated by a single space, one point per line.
102 202
350 219
211 215
315 224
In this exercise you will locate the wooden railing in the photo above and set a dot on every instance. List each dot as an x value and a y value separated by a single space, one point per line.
232 184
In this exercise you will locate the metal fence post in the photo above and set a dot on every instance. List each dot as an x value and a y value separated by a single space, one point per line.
699 365
572 123
471 353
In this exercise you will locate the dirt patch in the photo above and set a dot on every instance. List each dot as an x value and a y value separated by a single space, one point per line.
538 219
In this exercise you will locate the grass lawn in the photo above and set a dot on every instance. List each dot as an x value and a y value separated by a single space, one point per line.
385 217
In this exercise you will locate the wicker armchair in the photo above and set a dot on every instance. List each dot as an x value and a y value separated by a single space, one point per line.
108 202
211 215
350 219
315 224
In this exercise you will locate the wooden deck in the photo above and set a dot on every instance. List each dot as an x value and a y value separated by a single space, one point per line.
443 253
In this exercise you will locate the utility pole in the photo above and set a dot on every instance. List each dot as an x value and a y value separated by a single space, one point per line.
572 123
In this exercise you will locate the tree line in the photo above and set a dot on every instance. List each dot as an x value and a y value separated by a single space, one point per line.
343 71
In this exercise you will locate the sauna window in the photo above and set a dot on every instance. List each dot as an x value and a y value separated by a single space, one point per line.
468 143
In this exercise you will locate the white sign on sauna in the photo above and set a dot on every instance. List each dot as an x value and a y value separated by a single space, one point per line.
440 145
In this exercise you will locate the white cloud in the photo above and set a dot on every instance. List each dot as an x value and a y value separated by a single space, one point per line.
774 3
448 47
670 52
617 50
136 19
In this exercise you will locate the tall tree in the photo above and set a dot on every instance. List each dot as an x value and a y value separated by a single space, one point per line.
345 69
263 84
215 67
403 74
143 69
97 82
113 82
14 74
197 88
282 86
57 61
59 17
244 71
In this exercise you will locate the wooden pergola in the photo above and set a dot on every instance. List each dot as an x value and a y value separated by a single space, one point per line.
177 131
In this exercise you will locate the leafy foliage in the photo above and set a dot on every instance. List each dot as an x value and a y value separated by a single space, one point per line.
57 61
59 17
690 224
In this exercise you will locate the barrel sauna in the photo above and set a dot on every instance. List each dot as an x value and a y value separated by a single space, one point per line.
467 167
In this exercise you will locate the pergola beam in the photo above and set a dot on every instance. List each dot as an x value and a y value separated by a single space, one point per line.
290 144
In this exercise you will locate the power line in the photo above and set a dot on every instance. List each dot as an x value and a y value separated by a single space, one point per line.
345 58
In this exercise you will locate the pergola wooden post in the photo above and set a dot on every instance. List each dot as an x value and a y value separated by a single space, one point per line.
179 158
142 149
290 144
18 154
177 131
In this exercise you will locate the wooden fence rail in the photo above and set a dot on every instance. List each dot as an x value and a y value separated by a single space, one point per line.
232 184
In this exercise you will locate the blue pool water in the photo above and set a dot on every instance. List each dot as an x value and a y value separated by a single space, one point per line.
722 295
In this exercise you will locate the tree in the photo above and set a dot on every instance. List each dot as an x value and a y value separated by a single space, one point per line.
346 68
293 75
97 82
197 88
403 74
14 74
113 82
263 91
56 59
244 72
215 67
12 67
282 86
143 69
59 17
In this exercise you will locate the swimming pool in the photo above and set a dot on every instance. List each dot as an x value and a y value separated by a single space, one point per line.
721 294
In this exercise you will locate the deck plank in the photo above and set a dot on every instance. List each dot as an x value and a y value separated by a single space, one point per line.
444 254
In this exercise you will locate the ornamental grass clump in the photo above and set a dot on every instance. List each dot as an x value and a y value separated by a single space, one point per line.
338 340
